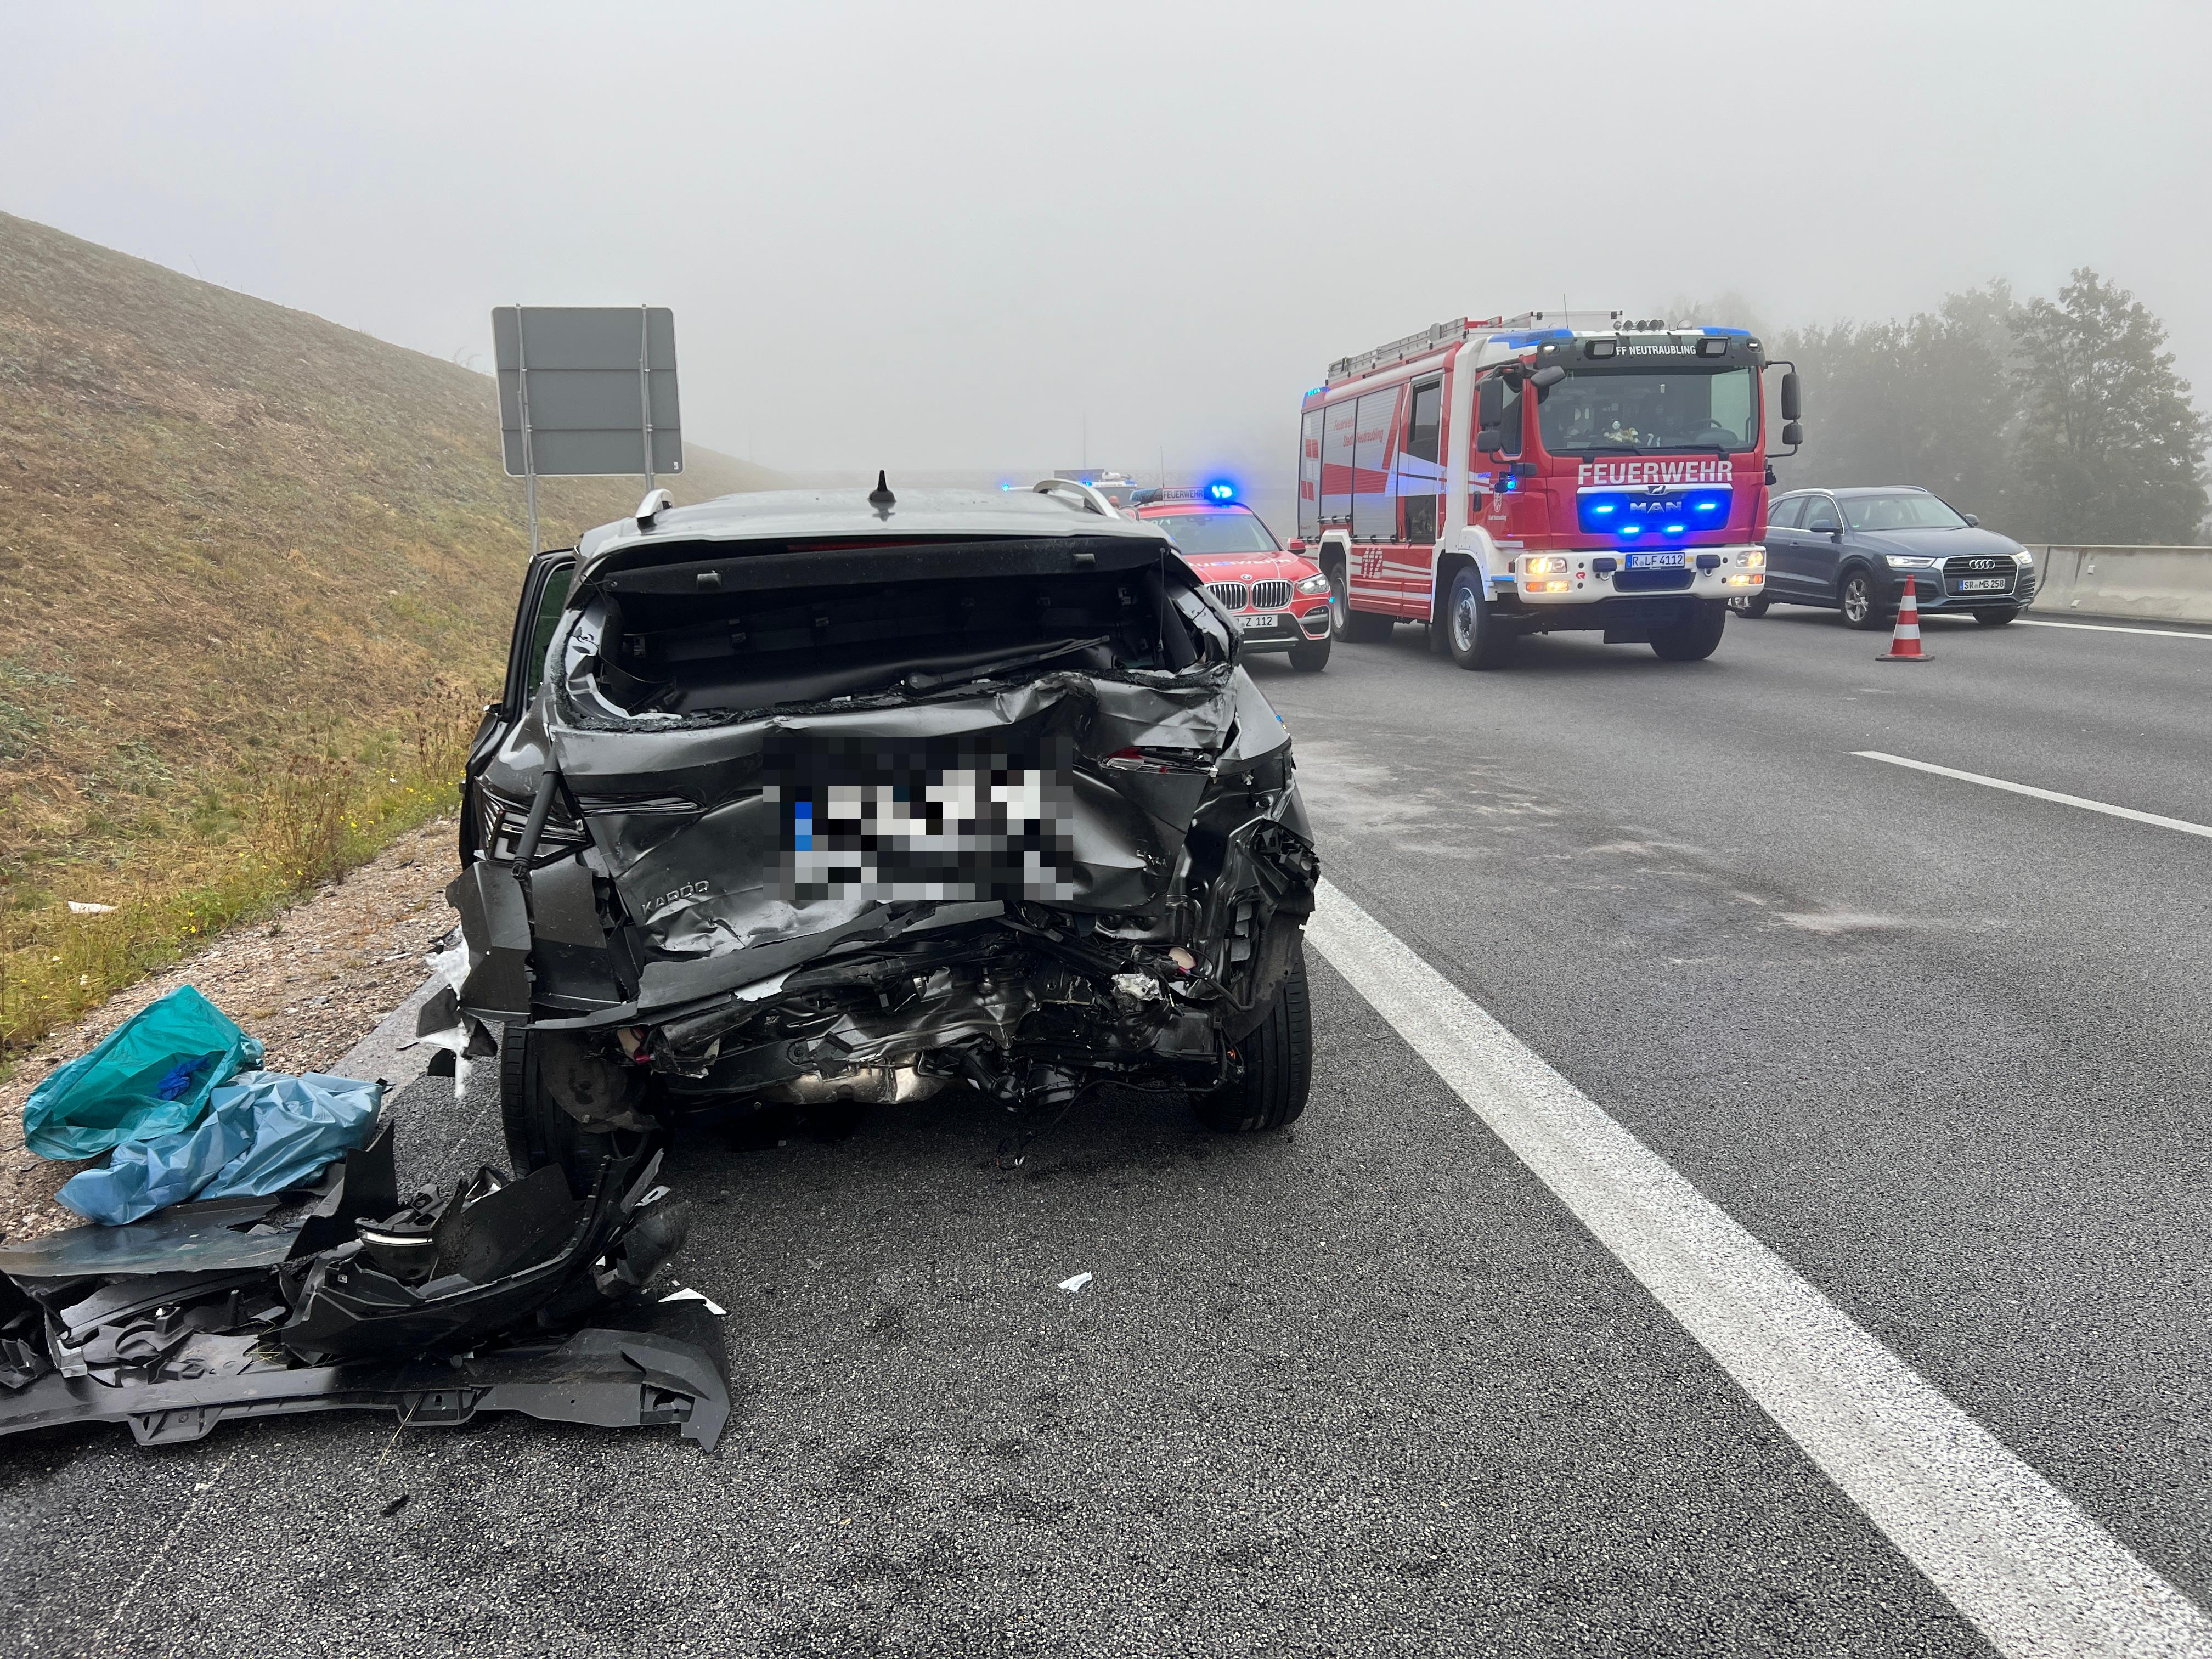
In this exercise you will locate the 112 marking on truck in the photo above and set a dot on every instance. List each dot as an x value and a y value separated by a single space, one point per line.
1508 476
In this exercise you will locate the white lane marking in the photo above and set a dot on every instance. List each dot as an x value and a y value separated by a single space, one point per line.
2112 628
2082 801
2010 1552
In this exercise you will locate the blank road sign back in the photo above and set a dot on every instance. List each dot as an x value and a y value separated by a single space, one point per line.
595 381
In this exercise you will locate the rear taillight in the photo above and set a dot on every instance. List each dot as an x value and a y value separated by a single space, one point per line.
502 816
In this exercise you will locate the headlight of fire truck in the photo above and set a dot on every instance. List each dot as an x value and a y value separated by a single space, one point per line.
1754 558
1312 585
1544 564
1902 561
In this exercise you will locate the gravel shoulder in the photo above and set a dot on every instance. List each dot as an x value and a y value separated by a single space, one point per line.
310 984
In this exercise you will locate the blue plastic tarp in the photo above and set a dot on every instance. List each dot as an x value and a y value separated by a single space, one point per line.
151 1078
264 1132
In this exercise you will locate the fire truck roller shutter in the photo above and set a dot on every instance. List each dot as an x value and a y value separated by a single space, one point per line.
1374 508
1338 420
1309 475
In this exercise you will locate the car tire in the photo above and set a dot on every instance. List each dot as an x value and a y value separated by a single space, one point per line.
1754 606
1277 1065
1312 657
1695 640
1996 618
1857 598
1473 634
539 1130
1352 627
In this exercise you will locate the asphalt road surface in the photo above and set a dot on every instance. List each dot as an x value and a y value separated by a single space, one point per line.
1370 1387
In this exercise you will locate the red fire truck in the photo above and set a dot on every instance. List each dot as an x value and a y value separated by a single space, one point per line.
1511 475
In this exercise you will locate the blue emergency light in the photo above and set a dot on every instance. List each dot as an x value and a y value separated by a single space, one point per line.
1221 490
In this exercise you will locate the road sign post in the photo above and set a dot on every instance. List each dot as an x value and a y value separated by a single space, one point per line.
586 391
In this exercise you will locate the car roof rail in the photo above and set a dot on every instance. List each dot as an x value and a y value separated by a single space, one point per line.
1093 500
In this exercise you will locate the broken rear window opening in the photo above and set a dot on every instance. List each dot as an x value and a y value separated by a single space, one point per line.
719 637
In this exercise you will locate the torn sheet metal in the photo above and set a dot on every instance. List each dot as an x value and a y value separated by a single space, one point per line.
1011 814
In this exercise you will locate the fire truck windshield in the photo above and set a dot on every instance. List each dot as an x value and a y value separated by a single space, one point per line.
1647 409
1217 532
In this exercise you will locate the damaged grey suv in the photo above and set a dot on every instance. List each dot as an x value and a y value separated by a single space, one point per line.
806 796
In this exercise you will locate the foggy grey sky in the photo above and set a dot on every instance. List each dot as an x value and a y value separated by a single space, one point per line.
941 236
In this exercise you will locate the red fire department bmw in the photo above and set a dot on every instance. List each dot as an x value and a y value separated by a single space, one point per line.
1279 600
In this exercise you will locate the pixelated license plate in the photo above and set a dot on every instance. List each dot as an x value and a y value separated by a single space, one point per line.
877 824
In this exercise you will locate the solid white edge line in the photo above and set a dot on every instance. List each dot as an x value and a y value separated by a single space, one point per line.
2011 1553
2082 801
2111 628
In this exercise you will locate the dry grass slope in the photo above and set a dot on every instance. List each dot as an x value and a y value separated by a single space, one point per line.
256 572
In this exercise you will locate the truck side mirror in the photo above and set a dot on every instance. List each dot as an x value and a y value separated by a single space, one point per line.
1793 433
1792 409
1490 440
1550 374
1490 404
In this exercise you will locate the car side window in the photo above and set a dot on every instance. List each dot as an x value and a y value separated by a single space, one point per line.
1823 514
1786 513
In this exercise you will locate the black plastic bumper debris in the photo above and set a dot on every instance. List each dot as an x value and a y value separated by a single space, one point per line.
603 1379
493 1295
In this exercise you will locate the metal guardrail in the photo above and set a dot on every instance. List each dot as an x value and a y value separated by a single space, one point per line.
2164 584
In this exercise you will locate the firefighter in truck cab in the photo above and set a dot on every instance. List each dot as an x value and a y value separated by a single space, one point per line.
1488 479
1277 600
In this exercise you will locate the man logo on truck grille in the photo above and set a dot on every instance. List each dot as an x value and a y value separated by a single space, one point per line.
864 824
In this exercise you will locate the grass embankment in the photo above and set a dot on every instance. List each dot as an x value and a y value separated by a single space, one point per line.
257 575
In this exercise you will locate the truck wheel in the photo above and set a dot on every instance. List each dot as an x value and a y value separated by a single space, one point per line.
1472 634
1996 618
1855 598
1695 640
1278 1064
1352 627
539 1130
1312 657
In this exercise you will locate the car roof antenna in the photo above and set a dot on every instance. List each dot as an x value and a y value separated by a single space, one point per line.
880 497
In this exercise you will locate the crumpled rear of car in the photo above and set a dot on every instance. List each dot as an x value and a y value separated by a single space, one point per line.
799 821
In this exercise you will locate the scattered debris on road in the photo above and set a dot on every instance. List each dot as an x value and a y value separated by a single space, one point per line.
1076 1283
479 1298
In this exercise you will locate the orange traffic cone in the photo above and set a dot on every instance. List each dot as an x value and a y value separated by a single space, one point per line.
1904 643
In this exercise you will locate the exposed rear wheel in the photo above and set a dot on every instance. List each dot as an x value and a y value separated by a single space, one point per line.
1353 627
1996 618
539 1129
1695 640
1277 1061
